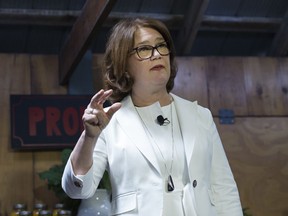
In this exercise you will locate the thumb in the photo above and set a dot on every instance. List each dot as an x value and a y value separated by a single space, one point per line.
112 109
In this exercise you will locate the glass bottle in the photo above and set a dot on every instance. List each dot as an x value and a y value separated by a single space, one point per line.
25 213
38 207
57 208
64 213
45 213
17 208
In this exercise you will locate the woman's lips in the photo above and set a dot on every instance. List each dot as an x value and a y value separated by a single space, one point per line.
157 67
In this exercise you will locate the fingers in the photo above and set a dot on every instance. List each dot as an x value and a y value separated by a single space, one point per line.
95 118
90 111
100 97
90 116
114 108
97 101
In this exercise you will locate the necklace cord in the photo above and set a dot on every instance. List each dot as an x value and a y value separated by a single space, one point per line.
168 172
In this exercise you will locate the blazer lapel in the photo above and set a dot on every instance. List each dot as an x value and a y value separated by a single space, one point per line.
131 124
188 125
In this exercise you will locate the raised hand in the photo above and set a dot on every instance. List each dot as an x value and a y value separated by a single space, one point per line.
95 118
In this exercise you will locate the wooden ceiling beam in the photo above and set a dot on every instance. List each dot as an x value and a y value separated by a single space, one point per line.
83 31
191 25
171 20
240 24
279 45
174 21
38 17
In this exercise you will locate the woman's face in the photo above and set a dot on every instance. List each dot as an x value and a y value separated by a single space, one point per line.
152 73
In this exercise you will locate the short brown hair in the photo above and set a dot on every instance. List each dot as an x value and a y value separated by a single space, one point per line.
120 44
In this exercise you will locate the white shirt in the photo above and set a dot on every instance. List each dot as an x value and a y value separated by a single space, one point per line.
169 149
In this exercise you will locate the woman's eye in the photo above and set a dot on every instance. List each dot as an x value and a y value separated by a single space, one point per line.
162 45
143 49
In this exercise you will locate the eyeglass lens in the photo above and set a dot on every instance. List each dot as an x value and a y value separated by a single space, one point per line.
145 52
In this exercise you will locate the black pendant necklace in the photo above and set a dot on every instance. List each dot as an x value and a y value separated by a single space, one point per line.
170 184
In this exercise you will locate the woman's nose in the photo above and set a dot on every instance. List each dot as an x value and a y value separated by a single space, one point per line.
155 54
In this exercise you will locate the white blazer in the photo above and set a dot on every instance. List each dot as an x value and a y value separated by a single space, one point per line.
137 186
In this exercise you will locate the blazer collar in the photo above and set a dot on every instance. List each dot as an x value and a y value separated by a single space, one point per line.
130 122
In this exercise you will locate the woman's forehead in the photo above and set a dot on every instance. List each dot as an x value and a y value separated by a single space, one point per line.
147 35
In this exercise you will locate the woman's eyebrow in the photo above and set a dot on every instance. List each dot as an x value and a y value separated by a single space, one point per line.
142 43
159 39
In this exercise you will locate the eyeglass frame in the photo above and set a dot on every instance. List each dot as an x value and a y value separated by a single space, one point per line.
153 48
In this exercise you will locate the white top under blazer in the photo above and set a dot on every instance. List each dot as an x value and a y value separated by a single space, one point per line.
167 142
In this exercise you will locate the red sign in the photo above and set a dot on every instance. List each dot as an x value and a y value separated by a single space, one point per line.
46 121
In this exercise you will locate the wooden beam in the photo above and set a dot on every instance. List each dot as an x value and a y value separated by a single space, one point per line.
192 22
67 18
279 45
209 23
84 30
240 24
173 21
38 17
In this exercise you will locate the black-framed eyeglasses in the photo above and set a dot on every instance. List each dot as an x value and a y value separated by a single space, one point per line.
147 51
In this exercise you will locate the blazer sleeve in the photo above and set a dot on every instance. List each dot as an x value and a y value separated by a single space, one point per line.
84 186
223 185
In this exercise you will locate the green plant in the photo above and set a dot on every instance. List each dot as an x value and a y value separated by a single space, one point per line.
53 178
245 213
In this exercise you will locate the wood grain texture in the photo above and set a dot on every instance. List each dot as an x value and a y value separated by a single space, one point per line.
257 149
82 34
282 83
45 76
226 87
266 82
15 167
191 80
45 80
43 161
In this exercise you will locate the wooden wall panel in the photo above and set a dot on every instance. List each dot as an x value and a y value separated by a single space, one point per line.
257 149
191 81
25 74
45 80
16 184
14 70
43 161
44 75
282 82
264 87
226 87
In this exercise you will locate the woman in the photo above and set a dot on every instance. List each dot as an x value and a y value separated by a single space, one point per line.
163 153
